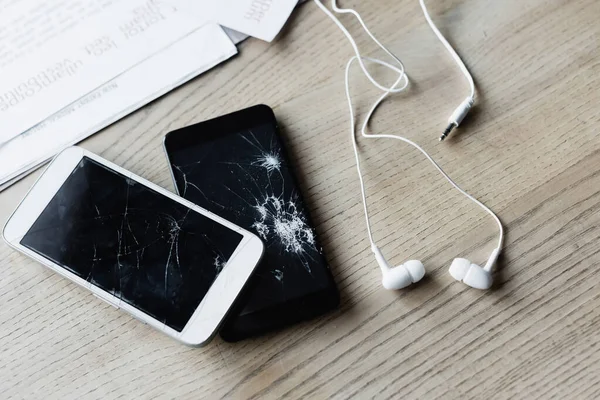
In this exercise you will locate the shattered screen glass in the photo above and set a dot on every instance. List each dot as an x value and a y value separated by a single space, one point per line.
135 243
245 178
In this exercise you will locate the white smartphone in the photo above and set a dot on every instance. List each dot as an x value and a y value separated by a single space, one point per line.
136 246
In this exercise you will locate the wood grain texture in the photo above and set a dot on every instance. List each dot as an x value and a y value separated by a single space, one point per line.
530 150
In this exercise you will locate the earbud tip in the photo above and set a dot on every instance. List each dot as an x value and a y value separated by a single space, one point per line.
415 269
396 278
478 278
470 274
459 267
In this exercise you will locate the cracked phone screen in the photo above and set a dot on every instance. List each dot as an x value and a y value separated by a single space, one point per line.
133 242
245 177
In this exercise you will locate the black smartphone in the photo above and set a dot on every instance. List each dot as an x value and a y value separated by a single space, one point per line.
236 167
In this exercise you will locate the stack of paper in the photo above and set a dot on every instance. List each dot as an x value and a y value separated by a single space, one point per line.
70 68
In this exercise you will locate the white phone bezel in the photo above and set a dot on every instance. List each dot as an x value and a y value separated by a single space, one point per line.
213 308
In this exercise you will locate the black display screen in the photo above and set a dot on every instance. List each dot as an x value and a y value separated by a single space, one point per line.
133 242
251 183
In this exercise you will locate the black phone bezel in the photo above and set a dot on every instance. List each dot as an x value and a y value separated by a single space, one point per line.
217 127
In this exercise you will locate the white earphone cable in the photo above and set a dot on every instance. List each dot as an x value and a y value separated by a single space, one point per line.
394 89
355 144
450 49
405 140
360 59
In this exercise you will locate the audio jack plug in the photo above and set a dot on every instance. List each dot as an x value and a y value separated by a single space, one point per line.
457 117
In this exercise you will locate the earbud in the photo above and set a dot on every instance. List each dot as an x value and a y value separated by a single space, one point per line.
401 276
473 275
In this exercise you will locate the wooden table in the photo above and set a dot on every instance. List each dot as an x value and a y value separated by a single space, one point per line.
530 150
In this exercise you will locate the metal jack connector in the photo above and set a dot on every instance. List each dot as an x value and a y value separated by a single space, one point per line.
447 131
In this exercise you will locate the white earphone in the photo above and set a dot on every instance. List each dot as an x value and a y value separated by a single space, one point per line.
401 276
412 271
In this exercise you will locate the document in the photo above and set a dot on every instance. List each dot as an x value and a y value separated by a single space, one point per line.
178 63
262 19
52 62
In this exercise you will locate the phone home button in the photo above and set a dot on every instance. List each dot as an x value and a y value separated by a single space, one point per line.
106 301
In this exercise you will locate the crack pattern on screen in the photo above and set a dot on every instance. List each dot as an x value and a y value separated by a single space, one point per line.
142 247
245 181
280 221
